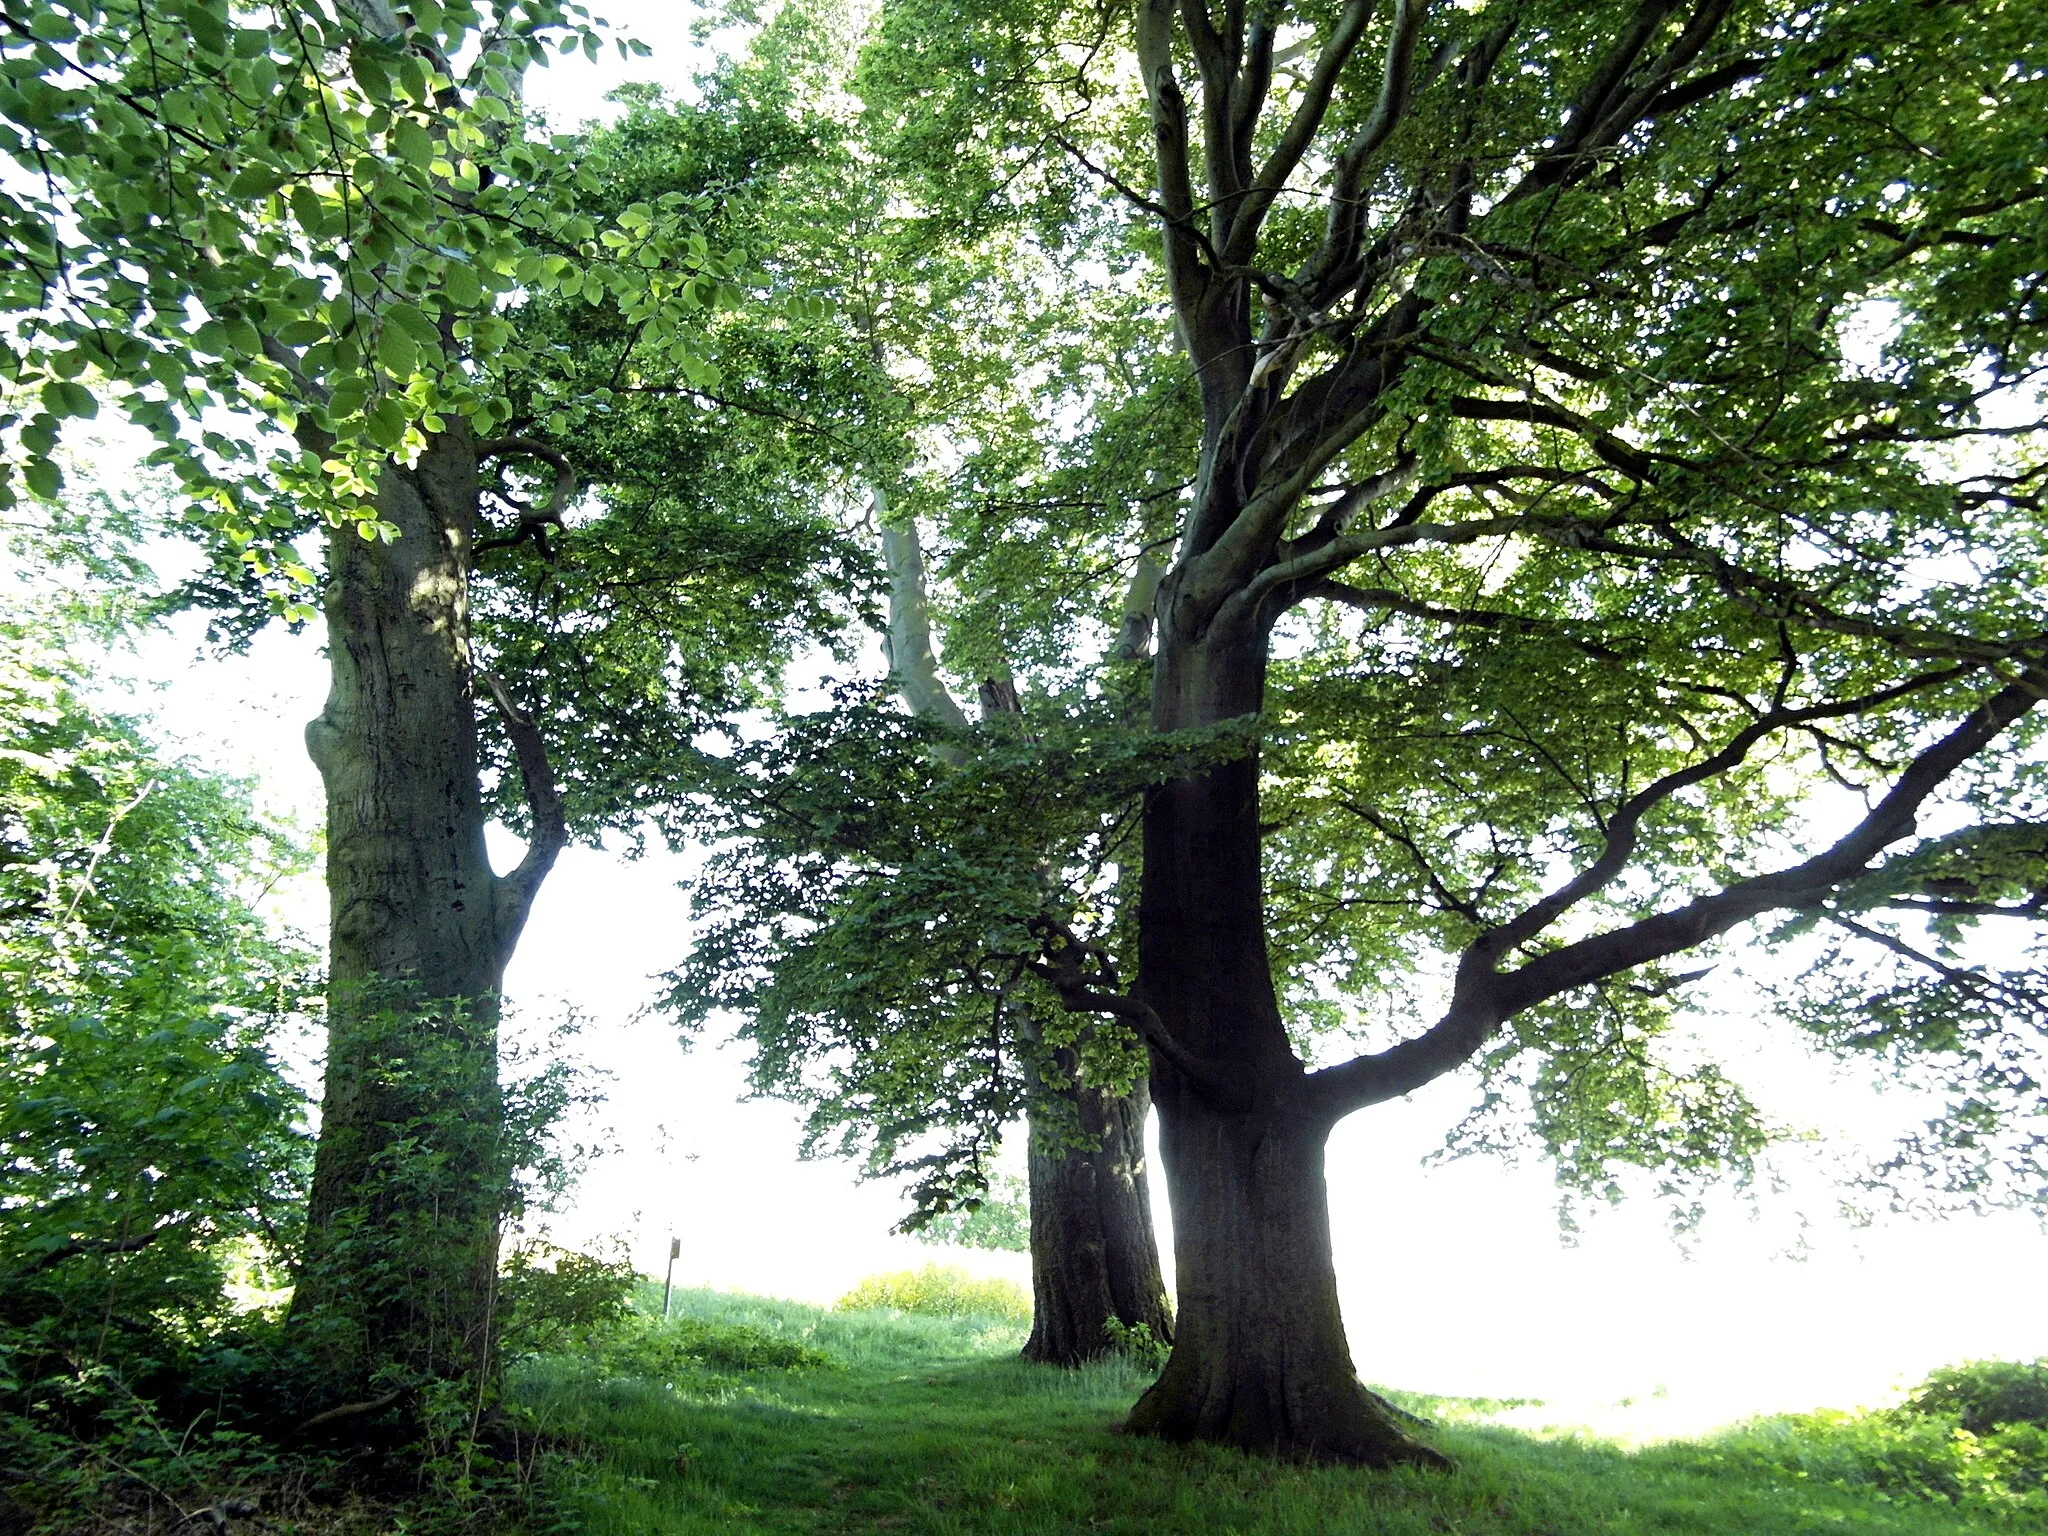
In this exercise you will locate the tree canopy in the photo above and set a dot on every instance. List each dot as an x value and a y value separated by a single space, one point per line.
1596 454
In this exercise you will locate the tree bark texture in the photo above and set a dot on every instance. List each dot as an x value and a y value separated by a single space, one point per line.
1094 1259
401 1248
1259 1358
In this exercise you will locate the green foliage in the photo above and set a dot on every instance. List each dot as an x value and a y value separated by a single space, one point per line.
554 1298
874 918
153 1155
999 1217
308 216
709 549
938 1290
151 1149
657 1350
1986 1395
1973 1435
1736 415
1138 1344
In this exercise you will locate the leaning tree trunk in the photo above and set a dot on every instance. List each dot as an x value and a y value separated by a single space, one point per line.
1094 1260
1259 1358
396 1287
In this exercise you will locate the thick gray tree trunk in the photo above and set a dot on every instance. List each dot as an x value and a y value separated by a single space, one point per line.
1094 1259
1260 1360
398 1280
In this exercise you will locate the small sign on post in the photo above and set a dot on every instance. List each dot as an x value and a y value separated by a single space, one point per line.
668 1285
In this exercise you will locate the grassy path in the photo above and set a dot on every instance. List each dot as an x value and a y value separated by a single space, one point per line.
927 1427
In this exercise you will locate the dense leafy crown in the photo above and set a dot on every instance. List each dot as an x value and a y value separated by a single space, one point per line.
302 214
1620 426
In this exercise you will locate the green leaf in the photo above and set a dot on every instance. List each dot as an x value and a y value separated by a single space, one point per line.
398 352
63 398
414 322
460 285
44 478
412 142
386 422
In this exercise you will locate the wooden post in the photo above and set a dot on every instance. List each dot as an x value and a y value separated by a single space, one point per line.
668 1285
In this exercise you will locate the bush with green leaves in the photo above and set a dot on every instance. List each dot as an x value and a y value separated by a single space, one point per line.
553 1297
1986 1395
1974 1435
939 1290
153 1153
660 1350
151 1147
1137 1343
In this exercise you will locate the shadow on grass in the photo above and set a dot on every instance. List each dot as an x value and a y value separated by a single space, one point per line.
931 1427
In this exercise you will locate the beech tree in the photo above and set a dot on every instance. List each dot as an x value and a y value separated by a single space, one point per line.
1613 522
279 239
917 320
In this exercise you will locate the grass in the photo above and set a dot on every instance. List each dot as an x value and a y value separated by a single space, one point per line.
928 1426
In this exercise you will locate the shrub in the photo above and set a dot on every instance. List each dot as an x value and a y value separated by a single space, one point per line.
1985 1395
938 1290
1960 1438
1137 1343
661 1350
550 1296
150 1143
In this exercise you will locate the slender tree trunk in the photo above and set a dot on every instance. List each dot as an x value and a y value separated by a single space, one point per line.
401 1245
1094 1260
1259 1358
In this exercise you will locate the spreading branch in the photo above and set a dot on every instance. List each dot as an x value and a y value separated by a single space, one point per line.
549 833
1625 826
1485 998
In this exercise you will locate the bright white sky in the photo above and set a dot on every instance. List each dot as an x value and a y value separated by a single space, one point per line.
1455 1279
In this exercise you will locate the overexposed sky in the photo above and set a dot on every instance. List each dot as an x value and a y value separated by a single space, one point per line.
1455 1278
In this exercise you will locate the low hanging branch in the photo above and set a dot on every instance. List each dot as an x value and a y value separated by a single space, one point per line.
1485 997
550 832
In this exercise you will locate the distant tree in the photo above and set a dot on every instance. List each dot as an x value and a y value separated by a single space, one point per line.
1582 586
927 323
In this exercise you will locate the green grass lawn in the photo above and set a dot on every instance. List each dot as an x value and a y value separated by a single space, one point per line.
926 1425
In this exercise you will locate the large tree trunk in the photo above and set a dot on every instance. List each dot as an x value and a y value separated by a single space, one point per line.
1094 1259
401 1247
1259 1358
